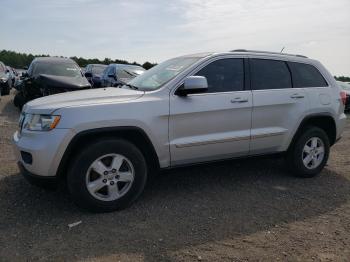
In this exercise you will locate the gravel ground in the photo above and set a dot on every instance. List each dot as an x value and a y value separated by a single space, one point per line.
234 211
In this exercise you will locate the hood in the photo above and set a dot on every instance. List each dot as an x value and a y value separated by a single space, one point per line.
64 82
48 104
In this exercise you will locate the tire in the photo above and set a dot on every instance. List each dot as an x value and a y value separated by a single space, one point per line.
83 169
298 154
19 100
49 185
6 91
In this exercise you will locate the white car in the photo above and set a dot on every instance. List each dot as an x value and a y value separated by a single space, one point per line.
186 110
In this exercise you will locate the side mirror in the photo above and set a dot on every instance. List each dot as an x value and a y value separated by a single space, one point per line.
88 74
193 85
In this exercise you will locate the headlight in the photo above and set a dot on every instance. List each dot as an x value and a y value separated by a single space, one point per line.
40 122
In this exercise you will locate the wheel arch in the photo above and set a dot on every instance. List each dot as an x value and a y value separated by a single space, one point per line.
135 135
325 121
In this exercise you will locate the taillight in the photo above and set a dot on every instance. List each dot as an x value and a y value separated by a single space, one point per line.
343 97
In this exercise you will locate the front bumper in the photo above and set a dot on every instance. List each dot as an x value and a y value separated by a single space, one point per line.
45 148
41 181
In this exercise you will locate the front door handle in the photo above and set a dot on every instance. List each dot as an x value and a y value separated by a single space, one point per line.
297 96
239 100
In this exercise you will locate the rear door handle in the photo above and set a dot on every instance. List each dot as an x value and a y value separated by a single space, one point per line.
239 100
297 96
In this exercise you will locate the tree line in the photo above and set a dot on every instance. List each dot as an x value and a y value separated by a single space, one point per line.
22 60
342 78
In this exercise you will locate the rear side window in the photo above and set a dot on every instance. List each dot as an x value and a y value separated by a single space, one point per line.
225 75
110 71
305 75
269 74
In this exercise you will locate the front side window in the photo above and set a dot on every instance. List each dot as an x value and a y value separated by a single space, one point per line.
305 75
110 71
225 75
157 76
269 74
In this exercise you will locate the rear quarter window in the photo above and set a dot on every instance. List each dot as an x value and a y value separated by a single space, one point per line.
305 75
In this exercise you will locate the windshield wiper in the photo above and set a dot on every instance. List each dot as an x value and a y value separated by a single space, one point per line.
132 87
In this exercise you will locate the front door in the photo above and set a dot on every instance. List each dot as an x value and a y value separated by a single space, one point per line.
215 124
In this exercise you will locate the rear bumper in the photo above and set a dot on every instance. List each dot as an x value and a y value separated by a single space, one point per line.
341 123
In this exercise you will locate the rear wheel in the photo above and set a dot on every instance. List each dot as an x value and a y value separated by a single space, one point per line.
19 100
309 154
108 175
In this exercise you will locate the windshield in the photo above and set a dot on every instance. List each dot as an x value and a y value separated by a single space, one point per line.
57 69
344 85
98 69
162 73
129 72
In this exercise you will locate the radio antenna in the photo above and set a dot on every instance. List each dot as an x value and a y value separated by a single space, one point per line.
282 49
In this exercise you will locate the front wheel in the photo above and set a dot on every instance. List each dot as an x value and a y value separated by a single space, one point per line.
108 175
309 153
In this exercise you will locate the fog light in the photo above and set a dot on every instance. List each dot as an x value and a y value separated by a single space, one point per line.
27 157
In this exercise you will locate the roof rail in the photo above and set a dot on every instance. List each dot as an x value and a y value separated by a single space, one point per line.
266 52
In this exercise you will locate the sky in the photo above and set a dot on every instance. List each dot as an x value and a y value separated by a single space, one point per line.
155 30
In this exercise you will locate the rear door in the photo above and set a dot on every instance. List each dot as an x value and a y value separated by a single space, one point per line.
277 106
319 93
215 124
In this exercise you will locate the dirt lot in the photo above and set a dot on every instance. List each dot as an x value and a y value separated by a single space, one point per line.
234 211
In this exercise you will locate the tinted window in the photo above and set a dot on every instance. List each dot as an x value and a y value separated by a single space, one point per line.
305 75
224 75
270 74
97 69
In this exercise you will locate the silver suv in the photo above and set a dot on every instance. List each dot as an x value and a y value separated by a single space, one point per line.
190 109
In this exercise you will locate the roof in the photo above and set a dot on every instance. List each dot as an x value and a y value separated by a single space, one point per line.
53 59
266 52
124 65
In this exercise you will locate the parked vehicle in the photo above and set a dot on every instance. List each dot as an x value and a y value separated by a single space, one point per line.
13 75
346 87
93 73
187 110
47 76
119 74
5 80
